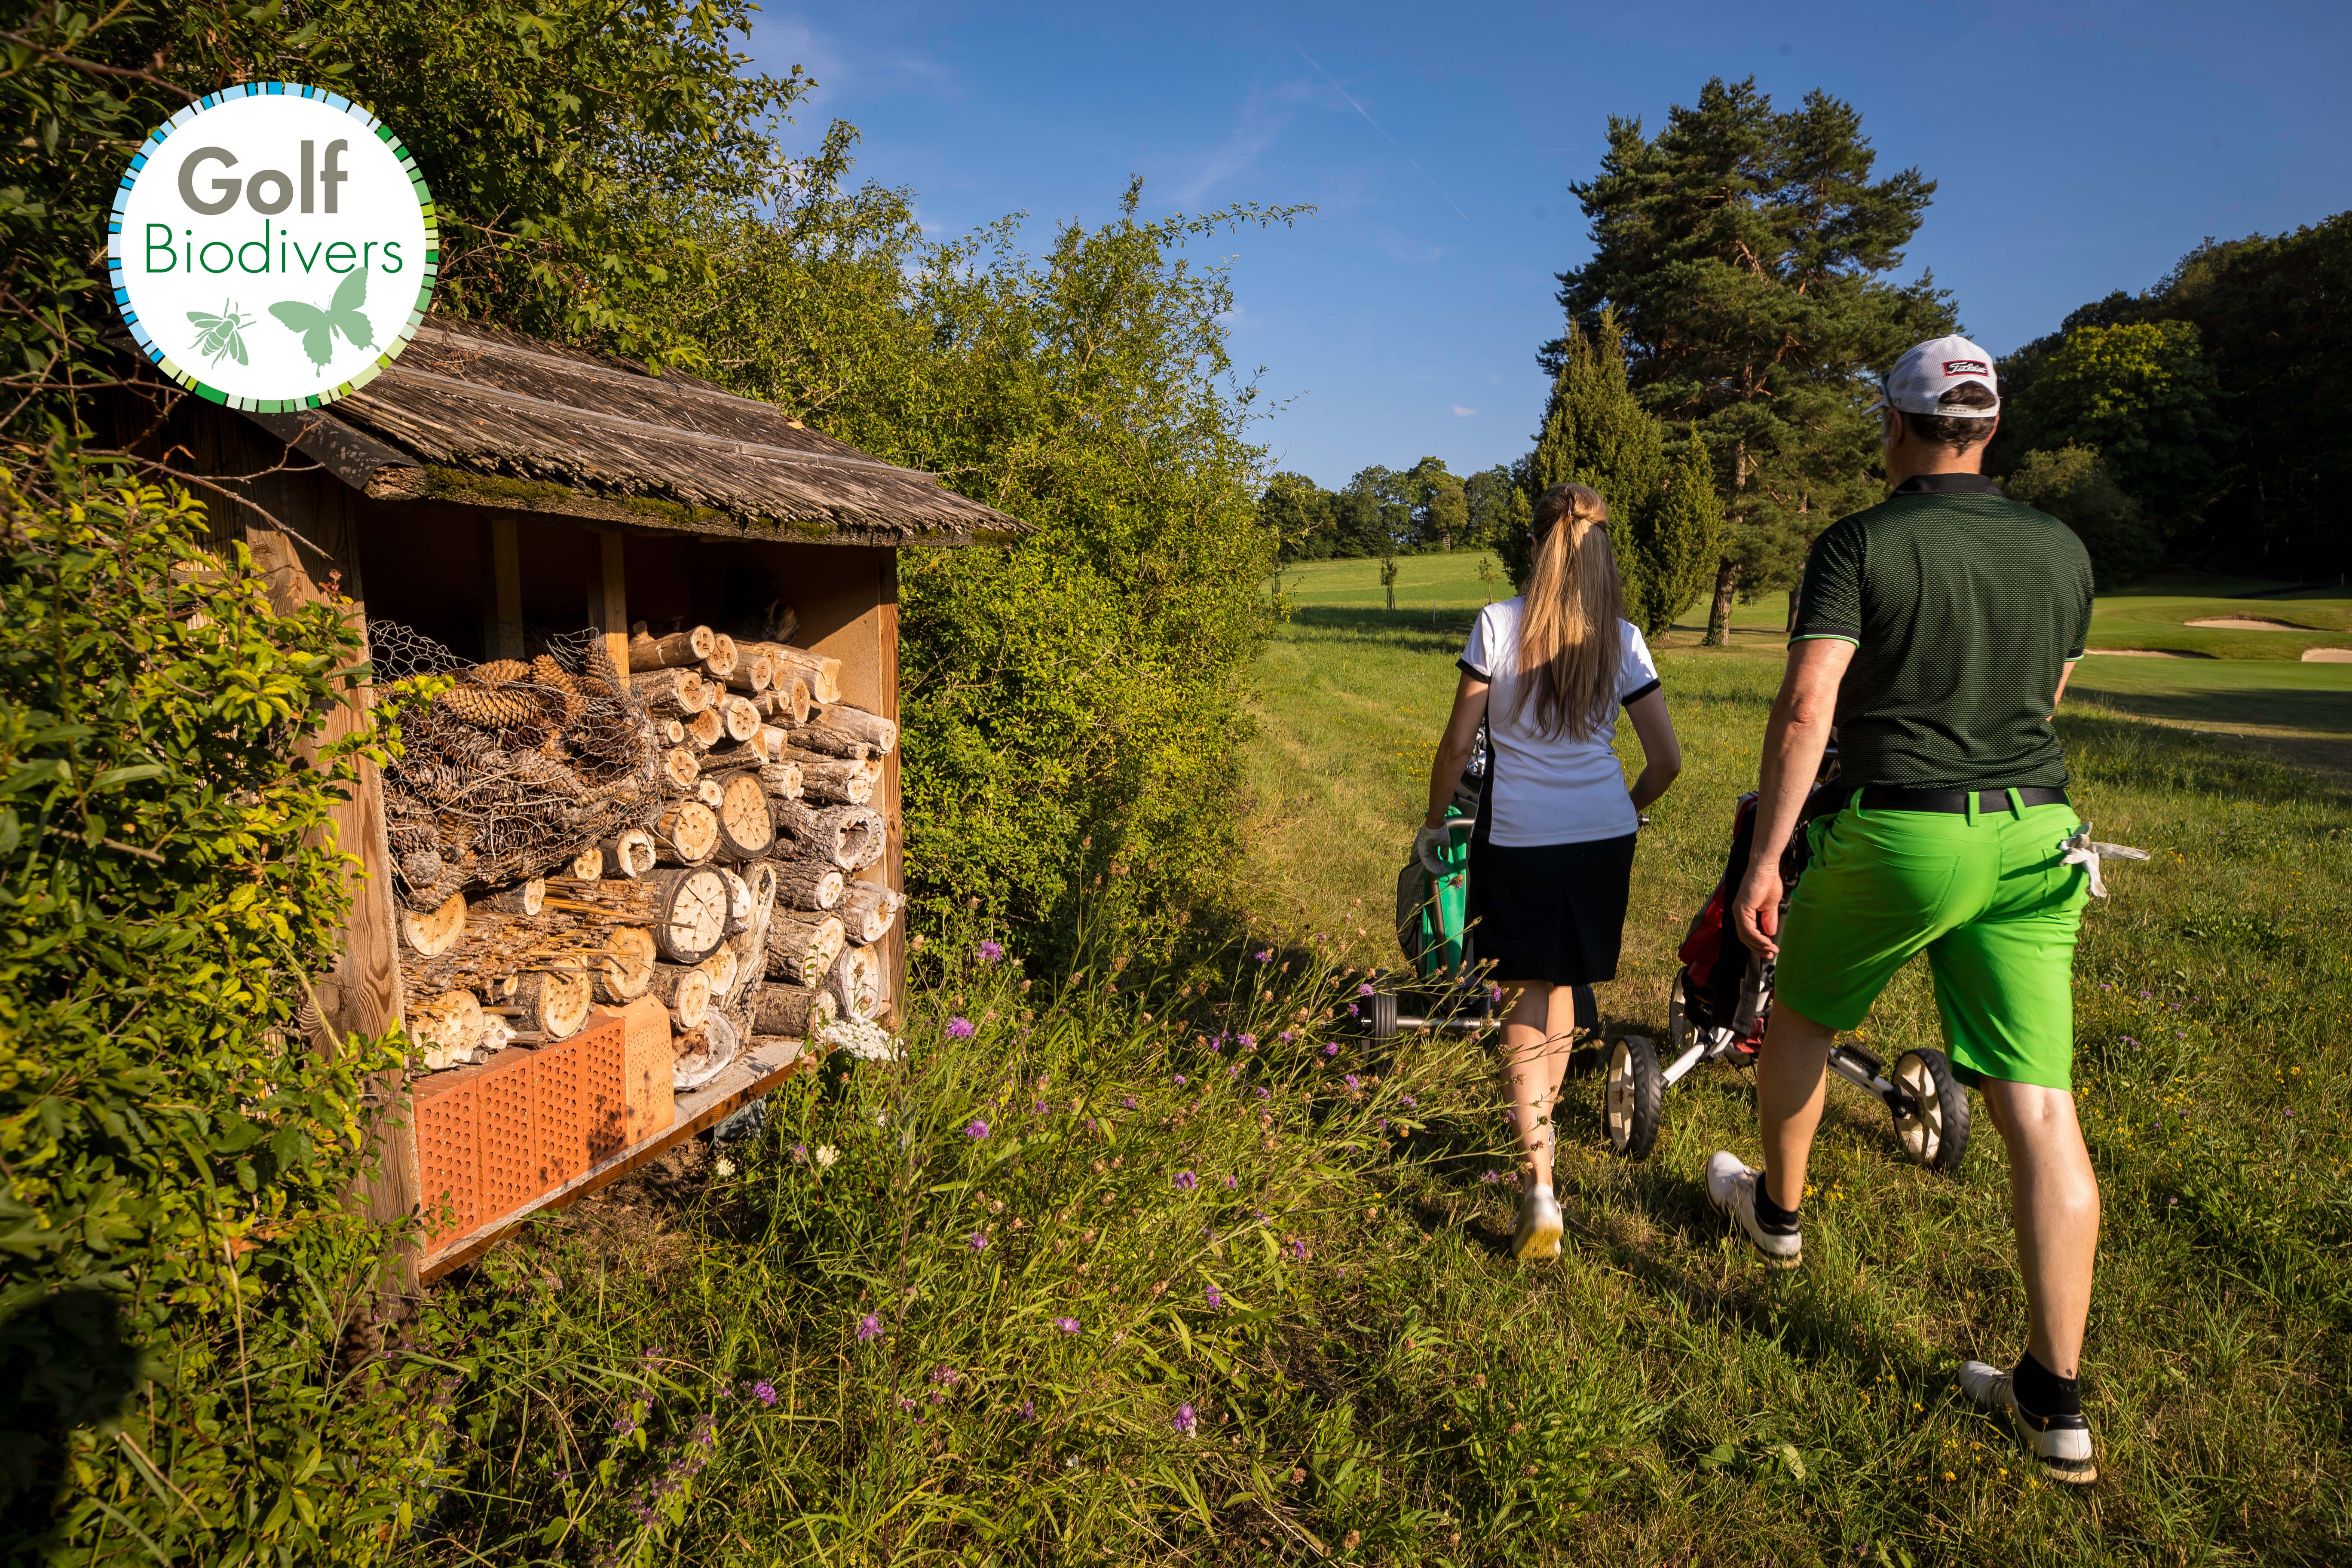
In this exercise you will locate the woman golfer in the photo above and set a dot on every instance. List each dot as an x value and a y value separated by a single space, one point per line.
1552 858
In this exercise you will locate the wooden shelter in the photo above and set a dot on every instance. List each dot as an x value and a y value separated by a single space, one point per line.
488 491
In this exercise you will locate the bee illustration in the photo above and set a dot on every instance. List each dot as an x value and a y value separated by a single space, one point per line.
222 334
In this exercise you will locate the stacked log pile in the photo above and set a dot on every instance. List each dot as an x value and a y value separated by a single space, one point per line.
693 831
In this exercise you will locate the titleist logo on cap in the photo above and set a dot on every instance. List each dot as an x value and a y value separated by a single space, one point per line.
1965 367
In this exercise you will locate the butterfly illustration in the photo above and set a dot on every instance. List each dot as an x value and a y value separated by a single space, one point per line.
224 333
341 315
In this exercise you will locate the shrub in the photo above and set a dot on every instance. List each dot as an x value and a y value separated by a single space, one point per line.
179 1242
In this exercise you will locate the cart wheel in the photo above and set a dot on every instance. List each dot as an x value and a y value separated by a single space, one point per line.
1382 1018
1633 1099
1678 1023
1937 1131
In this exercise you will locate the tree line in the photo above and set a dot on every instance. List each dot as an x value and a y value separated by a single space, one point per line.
1745 274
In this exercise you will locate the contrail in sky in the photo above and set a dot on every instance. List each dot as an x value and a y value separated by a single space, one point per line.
1376 125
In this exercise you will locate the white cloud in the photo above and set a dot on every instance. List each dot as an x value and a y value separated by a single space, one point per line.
1256 128
1462 413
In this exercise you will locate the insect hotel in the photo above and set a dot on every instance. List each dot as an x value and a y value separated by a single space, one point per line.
644 840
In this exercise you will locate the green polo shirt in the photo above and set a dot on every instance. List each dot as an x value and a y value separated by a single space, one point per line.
1964 608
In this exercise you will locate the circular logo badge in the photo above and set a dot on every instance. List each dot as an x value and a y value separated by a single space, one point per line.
273 246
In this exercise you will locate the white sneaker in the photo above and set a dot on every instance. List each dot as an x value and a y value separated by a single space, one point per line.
1540 1226
1731 1188
2062 1443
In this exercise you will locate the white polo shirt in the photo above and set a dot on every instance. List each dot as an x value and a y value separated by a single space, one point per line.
1541 790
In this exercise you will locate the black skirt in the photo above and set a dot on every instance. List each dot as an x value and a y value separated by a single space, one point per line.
1553 911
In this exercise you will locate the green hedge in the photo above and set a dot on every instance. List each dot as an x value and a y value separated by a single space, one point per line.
181 1245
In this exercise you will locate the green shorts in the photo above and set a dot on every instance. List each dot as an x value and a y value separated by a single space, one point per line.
1987 898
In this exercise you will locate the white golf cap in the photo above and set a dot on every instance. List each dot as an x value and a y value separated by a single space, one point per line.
1931 369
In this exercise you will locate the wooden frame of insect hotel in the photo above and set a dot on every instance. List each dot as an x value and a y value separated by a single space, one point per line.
645 839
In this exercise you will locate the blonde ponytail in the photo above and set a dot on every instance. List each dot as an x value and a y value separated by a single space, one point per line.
1571 630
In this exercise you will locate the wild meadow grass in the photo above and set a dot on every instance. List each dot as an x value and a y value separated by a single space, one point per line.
1814 1418
1175 1264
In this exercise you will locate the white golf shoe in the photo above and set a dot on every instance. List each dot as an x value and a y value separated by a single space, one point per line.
1731 1188
2062 1443
1540 1226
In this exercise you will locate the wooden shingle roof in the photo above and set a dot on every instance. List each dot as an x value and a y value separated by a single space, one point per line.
476 416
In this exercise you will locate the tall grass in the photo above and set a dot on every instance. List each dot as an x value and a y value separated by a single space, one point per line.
1076 1277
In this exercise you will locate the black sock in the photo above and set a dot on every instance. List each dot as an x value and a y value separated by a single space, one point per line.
2042 1391
1770 1217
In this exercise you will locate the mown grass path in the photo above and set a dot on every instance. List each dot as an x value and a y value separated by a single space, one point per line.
1814 1419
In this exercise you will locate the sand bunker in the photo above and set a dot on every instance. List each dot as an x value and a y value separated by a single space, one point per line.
2144 653
2327 656
2251 624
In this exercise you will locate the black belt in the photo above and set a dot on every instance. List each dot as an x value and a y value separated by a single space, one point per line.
1887 797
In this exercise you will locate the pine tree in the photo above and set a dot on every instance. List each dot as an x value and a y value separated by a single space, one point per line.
1595 432
1745 252
1681 541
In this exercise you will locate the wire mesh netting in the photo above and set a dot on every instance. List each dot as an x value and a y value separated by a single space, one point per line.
515 769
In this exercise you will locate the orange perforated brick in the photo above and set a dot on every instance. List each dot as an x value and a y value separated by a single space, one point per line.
604 1051
645 1090
558 1113
444 1108
509 1171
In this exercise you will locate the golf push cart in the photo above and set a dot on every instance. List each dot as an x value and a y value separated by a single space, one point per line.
1722 995
1723 998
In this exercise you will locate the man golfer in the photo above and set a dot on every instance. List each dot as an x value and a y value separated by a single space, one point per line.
1935 631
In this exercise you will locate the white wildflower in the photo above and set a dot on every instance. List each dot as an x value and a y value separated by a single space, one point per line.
827 1154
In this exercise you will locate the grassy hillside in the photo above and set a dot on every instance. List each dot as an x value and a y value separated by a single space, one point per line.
1815 1419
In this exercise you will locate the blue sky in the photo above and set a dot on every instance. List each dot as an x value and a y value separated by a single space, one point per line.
2078 147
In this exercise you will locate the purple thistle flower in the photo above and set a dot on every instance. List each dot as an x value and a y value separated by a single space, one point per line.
1265 955
1490 1175
1405 1100
979 1242
978 1128
959 1028
1028 1410
1181 1081
1128 1102
1229 1184
1333 1048
1186 1180
1235 1070
764 1392
990 951
870 1327
1248 1042
1185 1421
1038 1109
1297 1250
1288 1035
1262 1092
1216 1297
1068 1325
1353 1081
1365 989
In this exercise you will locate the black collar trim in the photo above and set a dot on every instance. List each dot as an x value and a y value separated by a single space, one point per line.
1948 485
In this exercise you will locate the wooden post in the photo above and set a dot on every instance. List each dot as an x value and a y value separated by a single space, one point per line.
612 606
362 994
506 578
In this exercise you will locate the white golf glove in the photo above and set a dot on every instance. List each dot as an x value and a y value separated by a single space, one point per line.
1426 845
2083 850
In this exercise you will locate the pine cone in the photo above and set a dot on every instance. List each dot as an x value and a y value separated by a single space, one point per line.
486 708
497 672
547 672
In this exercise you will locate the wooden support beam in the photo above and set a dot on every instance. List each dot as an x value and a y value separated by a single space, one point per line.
611 606
360 995
505 580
